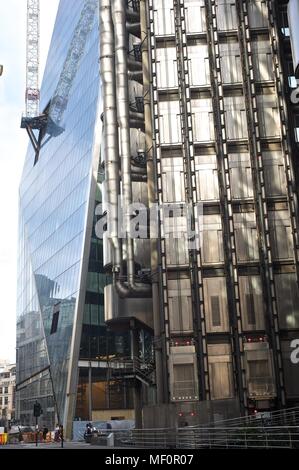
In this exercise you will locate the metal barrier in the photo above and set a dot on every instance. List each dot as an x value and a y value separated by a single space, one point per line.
287 417
279 429
211 438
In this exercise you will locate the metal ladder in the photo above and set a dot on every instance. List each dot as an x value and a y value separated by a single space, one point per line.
226 208
285 139
162 343
260 199
196 277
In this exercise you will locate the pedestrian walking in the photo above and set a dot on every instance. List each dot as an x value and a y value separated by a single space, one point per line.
45 432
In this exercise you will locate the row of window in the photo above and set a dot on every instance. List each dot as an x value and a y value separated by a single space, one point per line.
211 238
207 176
258 367
199 69
203 119
216 306
4 401
195 14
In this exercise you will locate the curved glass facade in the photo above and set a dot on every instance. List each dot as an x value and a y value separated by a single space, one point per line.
55 194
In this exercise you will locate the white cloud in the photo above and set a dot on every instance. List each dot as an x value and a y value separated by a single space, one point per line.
13 144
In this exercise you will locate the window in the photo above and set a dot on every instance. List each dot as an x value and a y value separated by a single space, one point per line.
54 322
246 236
203 120
167 76
275 179
195 16
164 18
215 299
283 20
230 60
6 390
258 369
291 75
296 120
180 305
212 239
184 381
226 15
173 179
198 59
250 309
176 241
170 122
281 234
220 371
235 115
288 300
207 177
252 304
6 401
55 318
215 306
241 176
259 374
257 12
268 115
262 60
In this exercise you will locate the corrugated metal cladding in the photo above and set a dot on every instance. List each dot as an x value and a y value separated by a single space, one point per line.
232 95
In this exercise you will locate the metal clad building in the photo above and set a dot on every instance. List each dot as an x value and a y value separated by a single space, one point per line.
194 112
223 136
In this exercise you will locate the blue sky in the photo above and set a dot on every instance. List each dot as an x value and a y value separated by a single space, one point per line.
13 144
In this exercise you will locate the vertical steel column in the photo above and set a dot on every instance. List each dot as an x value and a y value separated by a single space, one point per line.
144 21
285 139
162 342
260 198
226 208
191 198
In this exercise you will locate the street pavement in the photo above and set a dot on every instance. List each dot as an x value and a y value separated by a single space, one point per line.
52 445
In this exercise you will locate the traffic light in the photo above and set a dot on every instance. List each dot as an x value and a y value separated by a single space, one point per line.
37 410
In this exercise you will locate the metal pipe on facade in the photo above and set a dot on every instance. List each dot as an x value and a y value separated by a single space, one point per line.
139 178
136 75
136 124
133 16
111 149
134 65
133 28
123 115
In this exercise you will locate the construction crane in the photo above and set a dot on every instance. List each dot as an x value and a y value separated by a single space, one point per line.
32 59
50 121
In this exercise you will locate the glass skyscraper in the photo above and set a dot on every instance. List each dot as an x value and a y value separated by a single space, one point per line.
58 193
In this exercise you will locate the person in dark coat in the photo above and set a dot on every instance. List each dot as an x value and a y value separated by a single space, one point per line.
45 432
